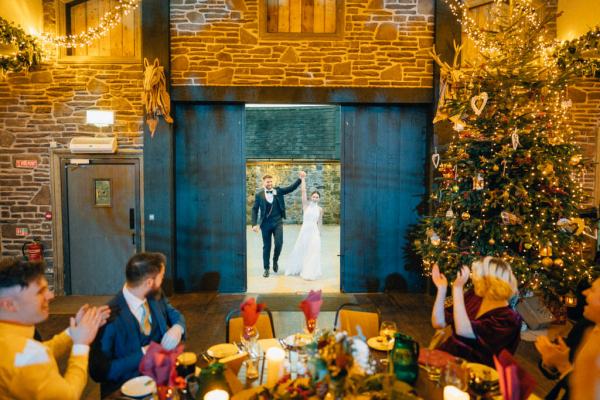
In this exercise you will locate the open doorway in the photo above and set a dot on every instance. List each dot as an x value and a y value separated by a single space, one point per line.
281 141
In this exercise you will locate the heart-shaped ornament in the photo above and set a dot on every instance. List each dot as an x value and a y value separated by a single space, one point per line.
478 102
515 140
435 159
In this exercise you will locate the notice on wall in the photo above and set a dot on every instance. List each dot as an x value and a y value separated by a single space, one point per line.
26 163
21 231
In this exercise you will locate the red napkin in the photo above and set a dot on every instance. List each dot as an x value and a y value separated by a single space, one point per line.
311 305
515 382
250 311
159 364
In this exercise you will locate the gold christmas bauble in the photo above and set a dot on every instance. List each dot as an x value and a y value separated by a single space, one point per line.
547 262
417 243
575 159
465 216
496 168
455 188
491 241
527 246
559 262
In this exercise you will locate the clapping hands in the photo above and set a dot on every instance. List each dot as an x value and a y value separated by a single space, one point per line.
554 355
84 326
439 279
462 277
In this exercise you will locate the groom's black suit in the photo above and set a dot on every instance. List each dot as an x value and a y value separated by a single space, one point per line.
271 219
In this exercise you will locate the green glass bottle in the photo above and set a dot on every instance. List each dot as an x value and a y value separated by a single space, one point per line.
405 358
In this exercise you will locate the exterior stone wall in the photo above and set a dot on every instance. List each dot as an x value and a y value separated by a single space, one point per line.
46 106
385 44
293 133
321 176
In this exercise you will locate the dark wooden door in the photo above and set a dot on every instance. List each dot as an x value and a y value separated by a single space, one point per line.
210 189
101 224
383 180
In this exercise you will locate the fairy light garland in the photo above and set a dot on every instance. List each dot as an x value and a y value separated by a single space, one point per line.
27 52
108 21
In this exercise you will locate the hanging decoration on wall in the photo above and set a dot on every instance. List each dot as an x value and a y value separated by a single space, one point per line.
108 21
155 97
435 158
18 50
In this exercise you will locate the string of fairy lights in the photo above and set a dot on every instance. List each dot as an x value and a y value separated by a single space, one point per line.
107 22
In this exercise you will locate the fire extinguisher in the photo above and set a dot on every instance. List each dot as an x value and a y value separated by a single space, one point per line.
34 250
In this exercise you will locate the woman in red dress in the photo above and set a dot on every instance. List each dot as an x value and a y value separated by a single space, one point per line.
481 320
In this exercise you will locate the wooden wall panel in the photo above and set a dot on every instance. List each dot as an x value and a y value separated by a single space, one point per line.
319 10
284 16
295 16
308 15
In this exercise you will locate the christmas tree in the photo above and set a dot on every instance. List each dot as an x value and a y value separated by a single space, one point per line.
509 184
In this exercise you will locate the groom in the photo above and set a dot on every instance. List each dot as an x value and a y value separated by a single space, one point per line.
272 213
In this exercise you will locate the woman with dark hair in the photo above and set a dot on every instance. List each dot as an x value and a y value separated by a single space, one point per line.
305 259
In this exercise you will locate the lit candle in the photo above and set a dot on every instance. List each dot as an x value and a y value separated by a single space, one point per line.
454 393
216 394
275 357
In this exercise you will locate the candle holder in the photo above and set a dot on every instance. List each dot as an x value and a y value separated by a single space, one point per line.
249 339
311 325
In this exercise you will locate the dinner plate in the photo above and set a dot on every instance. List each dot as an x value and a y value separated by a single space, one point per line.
139 387
298 340
222 350
483 371
380 343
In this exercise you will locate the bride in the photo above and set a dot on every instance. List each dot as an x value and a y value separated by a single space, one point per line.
305 258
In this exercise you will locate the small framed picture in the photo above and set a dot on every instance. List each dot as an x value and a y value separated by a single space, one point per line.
102 193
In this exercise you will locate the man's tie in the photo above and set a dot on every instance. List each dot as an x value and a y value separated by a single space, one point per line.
269 191
145 325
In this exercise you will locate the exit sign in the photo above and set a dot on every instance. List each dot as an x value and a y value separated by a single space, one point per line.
21 231
26 163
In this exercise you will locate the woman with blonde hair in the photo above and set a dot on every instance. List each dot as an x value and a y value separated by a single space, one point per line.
480 319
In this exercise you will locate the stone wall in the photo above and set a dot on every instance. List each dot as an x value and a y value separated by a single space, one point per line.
585 95
293 133
48 106
321 176
385 43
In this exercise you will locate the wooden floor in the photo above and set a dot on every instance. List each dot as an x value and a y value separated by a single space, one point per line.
205 318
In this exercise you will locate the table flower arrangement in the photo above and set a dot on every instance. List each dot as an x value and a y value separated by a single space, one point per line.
338 368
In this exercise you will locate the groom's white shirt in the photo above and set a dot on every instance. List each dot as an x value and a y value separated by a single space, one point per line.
269 196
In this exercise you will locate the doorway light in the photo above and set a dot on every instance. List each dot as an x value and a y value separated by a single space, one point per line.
99 118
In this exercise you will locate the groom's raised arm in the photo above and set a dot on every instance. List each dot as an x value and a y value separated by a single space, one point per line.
255 211
291 188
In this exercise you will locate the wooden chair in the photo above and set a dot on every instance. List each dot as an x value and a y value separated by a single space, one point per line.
348 320
234 325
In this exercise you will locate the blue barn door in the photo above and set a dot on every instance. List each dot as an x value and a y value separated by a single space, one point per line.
210 186
383 181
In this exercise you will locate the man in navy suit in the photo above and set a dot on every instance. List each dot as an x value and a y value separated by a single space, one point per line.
271 204
139 315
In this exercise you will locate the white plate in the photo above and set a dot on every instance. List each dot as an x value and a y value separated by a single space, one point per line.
298 340
379 343
483 371
222 350
139 387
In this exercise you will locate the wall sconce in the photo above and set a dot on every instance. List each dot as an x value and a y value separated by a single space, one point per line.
99 118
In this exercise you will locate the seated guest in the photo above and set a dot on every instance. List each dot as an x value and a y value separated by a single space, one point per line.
585 377
481 322
557 357
140 315
28 368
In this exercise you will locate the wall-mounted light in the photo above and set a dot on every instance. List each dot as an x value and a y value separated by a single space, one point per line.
99 118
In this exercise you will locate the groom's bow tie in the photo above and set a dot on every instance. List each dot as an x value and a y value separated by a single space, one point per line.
269 191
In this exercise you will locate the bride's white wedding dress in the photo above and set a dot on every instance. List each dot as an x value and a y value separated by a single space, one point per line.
305 259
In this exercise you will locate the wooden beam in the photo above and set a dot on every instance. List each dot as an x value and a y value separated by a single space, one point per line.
302 95
158 150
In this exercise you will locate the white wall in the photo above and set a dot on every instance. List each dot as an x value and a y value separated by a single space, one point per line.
27 13
578 17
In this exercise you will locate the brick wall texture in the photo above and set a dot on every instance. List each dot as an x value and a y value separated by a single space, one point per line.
293 133
385 44
49 105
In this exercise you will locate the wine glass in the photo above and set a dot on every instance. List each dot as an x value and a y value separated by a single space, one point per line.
456 374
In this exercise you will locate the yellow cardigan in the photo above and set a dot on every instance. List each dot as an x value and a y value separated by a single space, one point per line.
28 368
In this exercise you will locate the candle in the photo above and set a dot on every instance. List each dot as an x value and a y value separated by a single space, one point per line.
216 394
275 357
454 393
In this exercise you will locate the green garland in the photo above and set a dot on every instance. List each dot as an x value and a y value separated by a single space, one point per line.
571 55
28 54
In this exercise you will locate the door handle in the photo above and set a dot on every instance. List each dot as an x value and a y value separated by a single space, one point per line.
132 224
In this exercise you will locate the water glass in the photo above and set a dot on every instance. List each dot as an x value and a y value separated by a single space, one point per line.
455 373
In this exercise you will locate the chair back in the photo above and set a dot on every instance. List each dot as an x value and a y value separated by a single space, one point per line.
348 320
234 326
